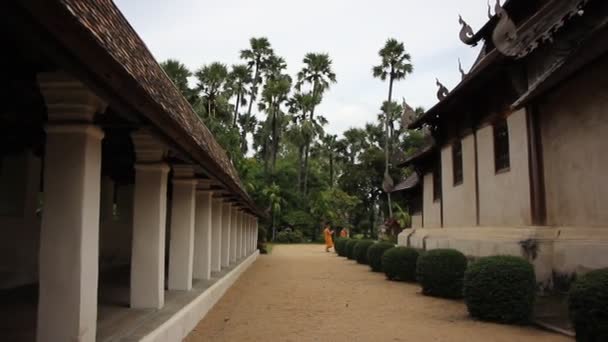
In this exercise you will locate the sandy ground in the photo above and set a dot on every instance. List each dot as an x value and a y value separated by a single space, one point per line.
301 293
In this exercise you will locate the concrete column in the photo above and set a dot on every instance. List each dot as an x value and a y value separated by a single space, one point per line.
202 235
248 236
233 234
226 219
149 223
216 235
239 235
256 233
69 235
181 246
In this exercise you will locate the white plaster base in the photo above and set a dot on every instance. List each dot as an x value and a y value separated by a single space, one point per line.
182 322
561 251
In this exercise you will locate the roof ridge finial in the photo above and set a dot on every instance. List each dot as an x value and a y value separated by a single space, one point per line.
462 73
466 32
442 92
489 10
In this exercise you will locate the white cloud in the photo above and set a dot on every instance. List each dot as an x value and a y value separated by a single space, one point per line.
199 32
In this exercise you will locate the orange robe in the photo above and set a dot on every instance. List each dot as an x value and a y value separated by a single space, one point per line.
329 242
343 233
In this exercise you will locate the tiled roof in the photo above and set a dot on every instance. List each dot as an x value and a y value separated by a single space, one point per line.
407 184
101 21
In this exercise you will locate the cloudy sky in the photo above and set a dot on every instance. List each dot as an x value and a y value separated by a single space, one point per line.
198 32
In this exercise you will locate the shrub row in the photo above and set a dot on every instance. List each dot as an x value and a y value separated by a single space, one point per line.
496 288
375 253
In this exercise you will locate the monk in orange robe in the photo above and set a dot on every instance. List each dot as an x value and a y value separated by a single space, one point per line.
329 242
344 233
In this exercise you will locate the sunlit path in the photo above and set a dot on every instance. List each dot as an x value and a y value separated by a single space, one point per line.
301 293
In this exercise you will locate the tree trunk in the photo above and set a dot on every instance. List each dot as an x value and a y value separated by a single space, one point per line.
331 169
243 140
236 109
300 155
308 141
275 141
387 139
254 86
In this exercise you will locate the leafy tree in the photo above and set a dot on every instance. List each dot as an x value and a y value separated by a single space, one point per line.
275 93
248 124
334 205
394 66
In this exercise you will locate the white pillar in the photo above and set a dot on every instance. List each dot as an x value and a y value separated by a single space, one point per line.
256 233
233 234
149 223
239 235
216 235
226 219
202 235
248 236
181 246
69 235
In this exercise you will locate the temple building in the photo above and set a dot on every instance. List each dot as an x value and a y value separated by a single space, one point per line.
122 217
517 156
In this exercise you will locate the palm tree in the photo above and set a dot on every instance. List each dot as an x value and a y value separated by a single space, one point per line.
395 65
275 93
178 73
300 105
318 73
248 124
238 80
211 80
272 194
256 57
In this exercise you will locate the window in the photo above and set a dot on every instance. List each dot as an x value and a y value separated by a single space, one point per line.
501 146
457 162
437 182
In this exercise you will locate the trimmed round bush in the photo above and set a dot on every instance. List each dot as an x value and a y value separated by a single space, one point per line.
440 272
500 289
340 246
374 254
360 251
399 263
588 306
290 237
350 248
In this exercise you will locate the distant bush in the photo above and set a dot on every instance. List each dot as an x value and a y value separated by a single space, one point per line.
588 306
290 237
374 254
350 248
440 272
262 247
500 289
340 246
360 251
399 263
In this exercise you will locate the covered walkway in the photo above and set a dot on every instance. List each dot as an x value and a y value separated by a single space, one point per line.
301 293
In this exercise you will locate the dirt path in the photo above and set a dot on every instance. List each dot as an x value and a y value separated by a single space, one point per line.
301 293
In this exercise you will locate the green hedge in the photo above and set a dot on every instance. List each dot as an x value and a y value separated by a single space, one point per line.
399 263
500 289
440 272
340 246
290 237
360 251
374 254
350 248
588 306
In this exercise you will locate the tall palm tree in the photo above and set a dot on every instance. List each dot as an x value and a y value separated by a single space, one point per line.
248 124
274 94
318 73
300 105
272 193
178 73
238 80
211 80
395 66
256 56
